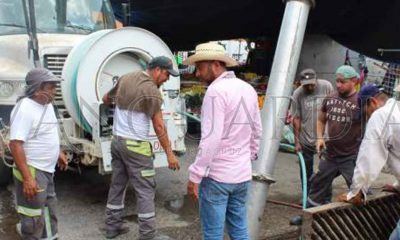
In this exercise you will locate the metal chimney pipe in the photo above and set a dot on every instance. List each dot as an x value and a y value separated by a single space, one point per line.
276 105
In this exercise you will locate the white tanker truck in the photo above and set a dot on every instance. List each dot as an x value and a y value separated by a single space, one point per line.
76 40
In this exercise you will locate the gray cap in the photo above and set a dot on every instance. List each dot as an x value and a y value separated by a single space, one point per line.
164 63
40 75
308 76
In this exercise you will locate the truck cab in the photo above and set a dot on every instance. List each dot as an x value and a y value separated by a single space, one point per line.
60 25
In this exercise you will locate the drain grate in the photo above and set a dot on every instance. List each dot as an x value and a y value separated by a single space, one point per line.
340 221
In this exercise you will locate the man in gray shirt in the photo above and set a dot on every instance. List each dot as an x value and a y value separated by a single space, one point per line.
306 103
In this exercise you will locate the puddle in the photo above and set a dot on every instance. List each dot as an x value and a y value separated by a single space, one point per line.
185 207
8 216
188 211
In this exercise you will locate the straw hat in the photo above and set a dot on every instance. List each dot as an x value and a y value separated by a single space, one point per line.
210 52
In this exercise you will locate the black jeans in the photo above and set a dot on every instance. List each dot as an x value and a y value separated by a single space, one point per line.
321 182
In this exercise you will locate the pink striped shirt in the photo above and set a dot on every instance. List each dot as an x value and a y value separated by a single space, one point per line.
230 131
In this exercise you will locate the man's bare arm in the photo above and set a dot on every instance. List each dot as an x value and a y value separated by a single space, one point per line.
296 129
108 98
30 186
18 153
321 123
162 135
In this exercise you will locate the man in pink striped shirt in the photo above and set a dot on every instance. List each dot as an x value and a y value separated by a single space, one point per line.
230 135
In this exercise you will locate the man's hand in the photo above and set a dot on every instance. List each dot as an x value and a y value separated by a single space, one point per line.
390 188
62 161
193 190
173 162
30 188
319 146
298 147
342 197
356 200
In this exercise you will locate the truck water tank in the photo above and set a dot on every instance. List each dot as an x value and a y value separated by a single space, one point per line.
95 64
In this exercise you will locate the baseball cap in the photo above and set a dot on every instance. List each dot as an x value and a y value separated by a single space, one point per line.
368 91
164 63
40 75
347 72
308 76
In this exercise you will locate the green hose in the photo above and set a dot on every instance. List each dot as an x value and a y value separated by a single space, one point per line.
304 178
291 148
191 116
287 148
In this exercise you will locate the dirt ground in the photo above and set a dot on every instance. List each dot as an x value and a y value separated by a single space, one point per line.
82 200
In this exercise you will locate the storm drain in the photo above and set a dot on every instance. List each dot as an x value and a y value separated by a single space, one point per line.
338 221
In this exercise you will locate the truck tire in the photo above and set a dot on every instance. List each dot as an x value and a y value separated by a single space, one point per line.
5 174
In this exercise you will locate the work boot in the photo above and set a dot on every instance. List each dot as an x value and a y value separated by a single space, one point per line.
114 233
296 220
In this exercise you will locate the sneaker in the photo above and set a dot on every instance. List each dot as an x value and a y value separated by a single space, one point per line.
114 233
296 220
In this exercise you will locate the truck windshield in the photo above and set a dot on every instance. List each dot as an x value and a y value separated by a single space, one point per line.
58 16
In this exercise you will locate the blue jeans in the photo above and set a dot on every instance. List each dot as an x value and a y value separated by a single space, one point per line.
396 232
220 201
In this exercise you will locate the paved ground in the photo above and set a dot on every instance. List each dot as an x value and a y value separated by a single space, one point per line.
82 201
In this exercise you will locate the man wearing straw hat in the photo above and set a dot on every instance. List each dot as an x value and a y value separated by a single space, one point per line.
35 147
230 134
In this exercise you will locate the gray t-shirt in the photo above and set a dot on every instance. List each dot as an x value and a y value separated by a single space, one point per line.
306 106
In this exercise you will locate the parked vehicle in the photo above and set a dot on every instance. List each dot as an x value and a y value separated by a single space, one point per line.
77 40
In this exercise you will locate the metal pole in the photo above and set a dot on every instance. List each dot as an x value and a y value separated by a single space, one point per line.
33 34
276 105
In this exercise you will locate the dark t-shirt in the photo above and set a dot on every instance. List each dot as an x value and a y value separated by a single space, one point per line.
344 127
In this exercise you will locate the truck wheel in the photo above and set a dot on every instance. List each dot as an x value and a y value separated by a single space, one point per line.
5 174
